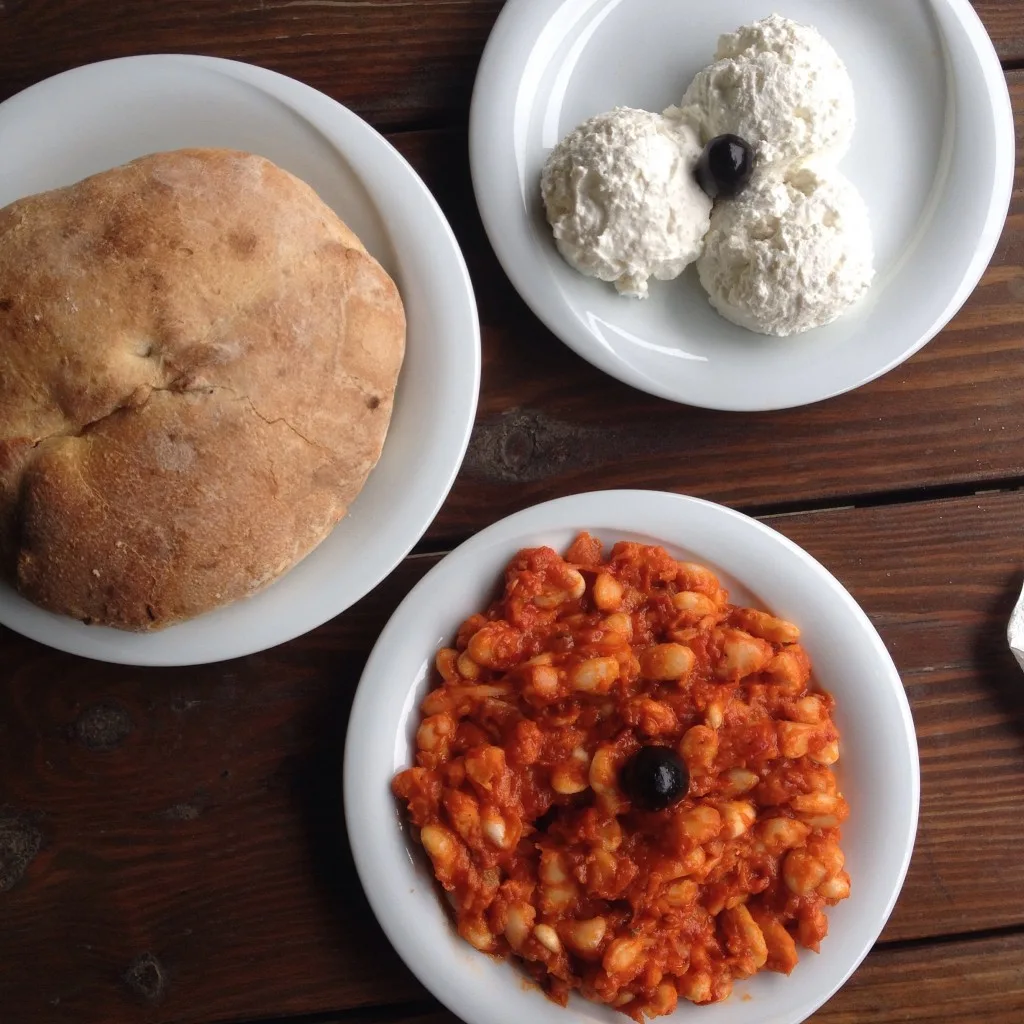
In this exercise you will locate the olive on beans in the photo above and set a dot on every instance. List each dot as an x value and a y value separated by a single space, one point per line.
655 778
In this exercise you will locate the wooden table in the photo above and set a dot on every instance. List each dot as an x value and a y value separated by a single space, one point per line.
171 845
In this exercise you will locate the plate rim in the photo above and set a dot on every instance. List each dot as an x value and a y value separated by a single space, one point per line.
573 508
513 34
66 634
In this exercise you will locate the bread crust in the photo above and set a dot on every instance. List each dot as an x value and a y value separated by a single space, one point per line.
198 363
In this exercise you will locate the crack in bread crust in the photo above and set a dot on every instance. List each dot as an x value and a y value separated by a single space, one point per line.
128 405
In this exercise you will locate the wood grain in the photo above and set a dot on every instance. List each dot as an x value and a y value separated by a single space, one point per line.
550 424
945 983
1004 20
191 864
950 983
395 62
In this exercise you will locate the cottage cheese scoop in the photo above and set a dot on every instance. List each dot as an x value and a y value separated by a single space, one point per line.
780 86
622 199
788 254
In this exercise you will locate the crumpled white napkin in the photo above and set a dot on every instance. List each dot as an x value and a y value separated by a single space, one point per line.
1015 630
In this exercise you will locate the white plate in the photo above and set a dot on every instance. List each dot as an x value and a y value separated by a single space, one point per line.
878 770
105 114
933 155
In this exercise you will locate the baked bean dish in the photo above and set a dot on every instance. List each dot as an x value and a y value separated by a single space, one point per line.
625 781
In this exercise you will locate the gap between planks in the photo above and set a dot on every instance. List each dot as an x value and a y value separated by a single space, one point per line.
437 546
378 1014
981 935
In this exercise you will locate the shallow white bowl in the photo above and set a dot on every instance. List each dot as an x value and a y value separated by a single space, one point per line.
878 771
933 156
102 115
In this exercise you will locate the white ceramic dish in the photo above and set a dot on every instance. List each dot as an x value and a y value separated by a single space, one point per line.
105 114
933 155
878 770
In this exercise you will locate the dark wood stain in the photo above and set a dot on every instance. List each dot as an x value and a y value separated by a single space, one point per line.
102 727
146 978
19 843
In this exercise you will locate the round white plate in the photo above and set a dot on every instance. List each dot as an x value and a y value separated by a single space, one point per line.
105 114
933 155
878 770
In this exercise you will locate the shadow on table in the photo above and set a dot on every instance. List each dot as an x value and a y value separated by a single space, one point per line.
996 665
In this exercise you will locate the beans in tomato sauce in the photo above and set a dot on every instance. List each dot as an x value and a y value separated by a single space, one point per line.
525 797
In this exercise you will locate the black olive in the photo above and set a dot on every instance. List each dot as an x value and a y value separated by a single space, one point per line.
726 166
655 778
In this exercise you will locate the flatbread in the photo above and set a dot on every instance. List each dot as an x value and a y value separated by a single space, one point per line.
198 363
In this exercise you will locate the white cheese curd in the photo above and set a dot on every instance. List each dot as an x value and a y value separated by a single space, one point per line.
621 197
788 255
779 85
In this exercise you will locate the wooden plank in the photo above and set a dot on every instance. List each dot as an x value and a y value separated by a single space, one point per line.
550 424
1004 20
395 62
939 580
943 983
935 983
193 817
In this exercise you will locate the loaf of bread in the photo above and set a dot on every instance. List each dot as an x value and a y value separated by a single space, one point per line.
198 361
